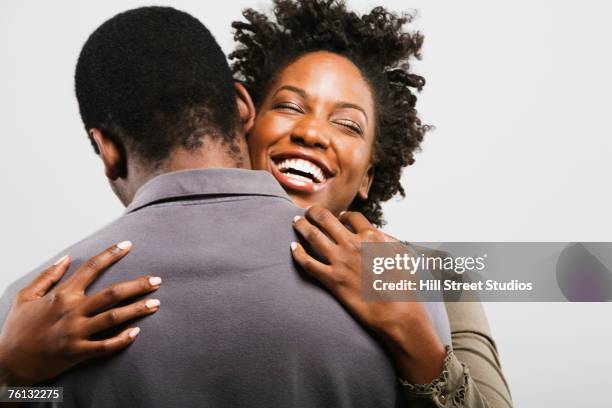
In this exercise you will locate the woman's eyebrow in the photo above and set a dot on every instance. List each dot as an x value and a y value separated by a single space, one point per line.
292 88
344 105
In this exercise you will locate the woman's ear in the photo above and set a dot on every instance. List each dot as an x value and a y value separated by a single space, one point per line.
246 108
110 153
366 183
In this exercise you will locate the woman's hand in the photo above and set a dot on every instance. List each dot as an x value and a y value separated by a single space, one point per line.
46 332
404 327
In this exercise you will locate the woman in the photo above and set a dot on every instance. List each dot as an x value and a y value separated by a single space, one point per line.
336 124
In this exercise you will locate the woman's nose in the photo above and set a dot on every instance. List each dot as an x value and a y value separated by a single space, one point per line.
308 133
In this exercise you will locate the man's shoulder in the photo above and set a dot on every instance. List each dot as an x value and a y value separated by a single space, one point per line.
266 217
13 288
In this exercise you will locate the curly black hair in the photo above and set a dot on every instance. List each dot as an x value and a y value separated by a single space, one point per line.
155 78
375 42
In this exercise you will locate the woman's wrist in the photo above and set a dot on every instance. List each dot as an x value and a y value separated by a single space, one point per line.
7 376
416 350
12 364
453 384
424 368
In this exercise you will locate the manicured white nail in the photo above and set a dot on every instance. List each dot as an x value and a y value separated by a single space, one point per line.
59 261
342 213
296 218
124 245
134 332
293 246
154 281
152 303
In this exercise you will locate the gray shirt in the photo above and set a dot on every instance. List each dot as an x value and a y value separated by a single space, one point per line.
240 325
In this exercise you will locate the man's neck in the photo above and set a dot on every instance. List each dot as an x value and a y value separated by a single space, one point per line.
212 155
207 158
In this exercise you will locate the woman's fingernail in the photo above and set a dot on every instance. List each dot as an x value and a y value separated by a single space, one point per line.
154 281
342 213
293 246
59 261
152 303
134 332
124 245
296 218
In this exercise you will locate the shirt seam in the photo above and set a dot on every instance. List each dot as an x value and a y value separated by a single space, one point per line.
181 200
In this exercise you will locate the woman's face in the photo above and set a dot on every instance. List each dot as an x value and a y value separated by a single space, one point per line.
314 131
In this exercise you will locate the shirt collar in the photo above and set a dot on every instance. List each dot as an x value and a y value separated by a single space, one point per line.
206 182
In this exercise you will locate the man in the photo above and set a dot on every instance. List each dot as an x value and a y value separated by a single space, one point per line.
240 326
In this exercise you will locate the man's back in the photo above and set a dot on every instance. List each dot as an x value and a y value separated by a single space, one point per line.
239 324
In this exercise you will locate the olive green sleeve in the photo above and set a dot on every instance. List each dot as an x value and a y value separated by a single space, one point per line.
472 375
474 346
453 388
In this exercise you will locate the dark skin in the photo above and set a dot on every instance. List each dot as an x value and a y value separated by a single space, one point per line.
49 326
320 110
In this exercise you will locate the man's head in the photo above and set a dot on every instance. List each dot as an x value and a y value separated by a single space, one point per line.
154 87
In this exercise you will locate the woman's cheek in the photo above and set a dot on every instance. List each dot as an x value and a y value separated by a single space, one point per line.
255 148
358 161
280 126
258 142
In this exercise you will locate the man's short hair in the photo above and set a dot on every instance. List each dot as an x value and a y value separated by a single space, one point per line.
156 79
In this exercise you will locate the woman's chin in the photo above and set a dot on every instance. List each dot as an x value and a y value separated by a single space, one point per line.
301 200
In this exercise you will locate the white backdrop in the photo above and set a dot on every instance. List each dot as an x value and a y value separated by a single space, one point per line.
519 93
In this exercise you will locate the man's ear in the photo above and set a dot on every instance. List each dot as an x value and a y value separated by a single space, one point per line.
111 153
246 108
366 183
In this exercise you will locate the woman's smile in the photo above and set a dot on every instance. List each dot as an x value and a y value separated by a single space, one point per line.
301 171
314 131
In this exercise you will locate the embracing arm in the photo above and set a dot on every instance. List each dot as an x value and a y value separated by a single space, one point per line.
403 327
483 383
50 325
472 375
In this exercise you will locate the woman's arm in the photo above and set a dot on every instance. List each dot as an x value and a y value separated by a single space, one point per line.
403 327
474 346
472 375
474 372
446 380
49 326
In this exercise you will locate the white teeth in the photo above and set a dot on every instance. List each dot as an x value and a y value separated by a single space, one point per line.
303 166
300 178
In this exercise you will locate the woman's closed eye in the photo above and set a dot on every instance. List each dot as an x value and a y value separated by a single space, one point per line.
289 107
349 125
